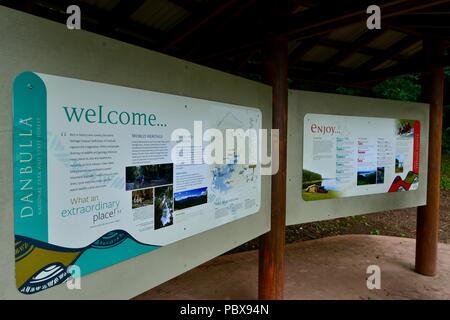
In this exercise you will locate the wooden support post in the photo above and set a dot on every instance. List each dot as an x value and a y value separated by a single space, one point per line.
428 215
272 244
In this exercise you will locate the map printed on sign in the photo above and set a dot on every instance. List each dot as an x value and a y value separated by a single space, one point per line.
345 156
95 182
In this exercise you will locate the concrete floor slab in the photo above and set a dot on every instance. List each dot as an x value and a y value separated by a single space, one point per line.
328 268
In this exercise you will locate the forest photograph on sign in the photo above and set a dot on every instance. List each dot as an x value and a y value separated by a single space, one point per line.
95 182
345 156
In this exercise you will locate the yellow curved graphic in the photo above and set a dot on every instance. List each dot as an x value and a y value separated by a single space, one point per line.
38 258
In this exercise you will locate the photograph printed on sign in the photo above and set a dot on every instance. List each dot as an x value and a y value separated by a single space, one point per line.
346 156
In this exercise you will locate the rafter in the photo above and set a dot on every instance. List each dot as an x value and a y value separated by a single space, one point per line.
340 15
120 13
229 33
25 5
303 48
127 30
302 74
413 65
195 22
299 5
188 5
243 60
337 44
332 80
422 21
387 54
316 21
249 13
244 8
346 52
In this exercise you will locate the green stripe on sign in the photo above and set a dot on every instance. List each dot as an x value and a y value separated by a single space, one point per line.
30 156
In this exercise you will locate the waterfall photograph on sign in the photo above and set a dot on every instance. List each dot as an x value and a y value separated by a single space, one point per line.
163 207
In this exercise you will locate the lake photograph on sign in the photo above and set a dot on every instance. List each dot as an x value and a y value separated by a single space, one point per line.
346 156
191 198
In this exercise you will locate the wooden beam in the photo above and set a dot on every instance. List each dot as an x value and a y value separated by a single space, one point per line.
329 17
25 5
435 10
243 60
337 44
421 21
231 23
302 76
188 5
428 216
348 51
387 54
387 73
248 13
329 80
303 71
402 29
272 244
195 22
137 33
120 14
299 5
128 31
311 23
315 66
303 48
206 57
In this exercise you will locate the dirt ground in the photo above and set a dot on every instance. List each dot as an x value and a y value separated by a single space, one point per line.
332 268
400 223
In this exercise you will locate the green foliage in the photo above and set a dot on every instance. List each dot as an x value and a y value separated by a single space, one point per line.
406 88
445 173
331 194
446 141
446 131
349 91
310 178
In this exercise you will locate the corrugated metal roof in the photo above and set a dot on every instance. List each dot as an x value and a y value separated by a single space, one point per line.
414 49
348 34
386 40
154 21
386 64
293 44
355 60
319 54
160 15
103 4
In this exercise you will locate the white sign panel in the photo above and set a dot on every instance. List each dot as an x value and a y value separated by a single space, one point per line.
102 182
345 156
